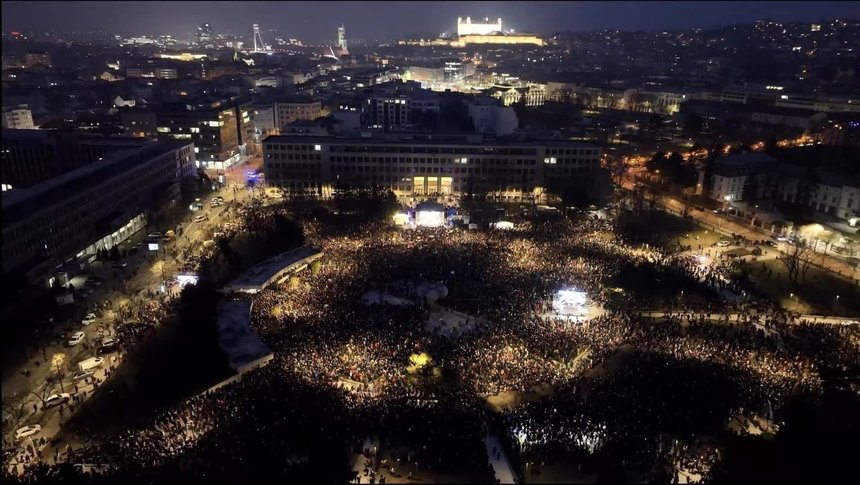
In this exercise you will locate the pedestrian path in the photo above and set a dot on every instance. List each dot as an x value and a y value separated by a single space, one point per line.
501 466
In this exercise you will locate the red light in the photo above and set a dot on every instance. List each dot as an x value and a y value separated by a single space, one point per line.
16 34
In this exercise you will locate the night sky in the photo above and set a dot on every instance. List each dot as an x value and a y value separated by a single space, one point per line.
316 21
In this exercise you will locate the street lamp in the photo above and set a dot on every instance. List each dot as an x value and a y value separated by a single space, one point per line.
58 360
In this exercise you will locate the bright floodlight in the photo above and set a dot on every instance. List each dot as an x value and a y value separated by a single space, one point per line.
400 218
430 218
186 279
570 302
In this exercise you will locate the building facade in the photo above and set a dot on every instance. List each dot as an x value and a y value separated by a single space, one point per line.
401 111
289 110
219 131
96 206
489 117
31 157
18 117
467 27
425 166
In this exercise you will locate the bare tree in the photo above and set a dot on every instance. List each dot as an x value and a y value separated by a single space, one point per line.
15 406
797 259
44 391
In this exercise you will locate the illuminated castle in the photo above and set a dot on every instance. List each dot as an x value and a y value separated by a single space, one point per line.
467 27
487 32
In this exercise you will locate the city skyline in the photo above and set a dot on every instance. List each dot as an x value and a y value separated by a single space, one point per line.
382 20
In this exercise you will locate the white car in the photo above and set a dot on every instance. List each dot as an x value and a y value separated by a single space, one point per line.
77 337
81 375
26 431
108 345
88 319
57 399
199 218
90 363
723 244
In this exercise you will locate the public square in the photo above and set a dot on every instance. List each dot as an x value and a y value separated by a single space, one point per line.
454 354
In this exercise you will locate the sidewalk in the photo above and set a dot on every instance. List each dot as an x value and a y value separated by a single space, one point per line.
501 467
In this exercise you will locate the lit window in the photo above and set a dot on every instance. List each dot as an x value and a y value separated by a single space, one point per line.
195 129
163 129
215 123
550 160
318 148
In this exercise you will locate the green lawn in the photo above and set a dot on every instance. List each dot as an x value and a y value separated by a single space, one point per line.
816 294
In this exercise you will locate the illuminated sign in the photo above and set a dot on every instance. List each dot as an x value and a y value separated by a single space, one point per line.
153 246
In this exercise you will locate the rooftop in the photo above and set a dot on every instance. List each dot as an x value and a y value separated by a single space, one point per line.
24 202
390 139
235 336
257 277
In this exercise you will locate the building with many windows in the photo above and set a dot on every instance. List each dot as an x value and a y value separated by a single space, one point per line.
219 130
57 222
33 156
433 165
18 117
288 110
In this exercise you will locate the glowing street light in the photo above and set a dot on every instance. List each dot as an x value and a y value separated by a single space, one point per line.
58 360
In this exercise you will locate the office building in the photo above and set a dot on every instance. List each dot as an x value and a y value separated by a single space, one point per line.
204 34
401 111
49 229
427 165
37 59
288 110
18 117
33 156
219 130
490 117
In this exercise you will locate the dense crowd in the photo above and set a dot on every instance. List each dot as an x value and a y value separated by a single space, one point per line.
346 368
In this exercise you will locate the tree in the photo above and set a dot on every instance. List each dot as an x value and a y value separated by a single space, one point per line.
693 124
44 391
657 162
254 219
797 259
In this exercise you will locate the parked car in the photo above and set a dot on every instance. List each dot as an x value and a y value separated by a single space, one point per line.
118 264
77 338
90 363
770 243
108 345
723 243
92 282
26 431
57 399
199 218
81 375
88 319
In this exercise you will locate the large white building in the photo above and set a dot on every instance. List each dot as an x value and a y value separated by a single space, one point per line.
485 27
488 116
18 117
731 172
412 165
